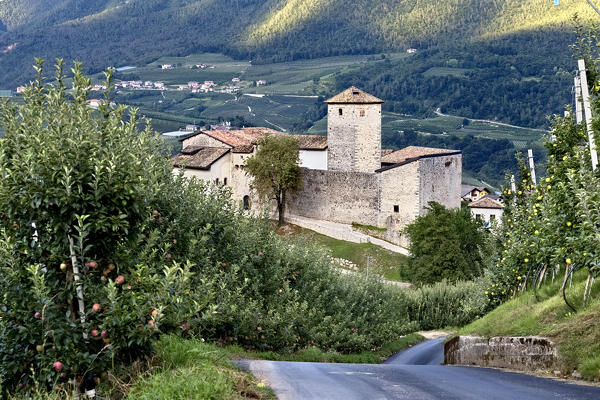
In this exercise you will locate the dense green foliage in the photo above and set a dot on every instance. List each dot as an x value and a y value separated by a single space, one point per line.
552 225
517 79
273 30
168 255
445 244
275 169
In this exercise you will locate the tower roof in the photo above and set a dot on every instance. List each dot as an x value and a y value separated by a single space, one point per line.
354 95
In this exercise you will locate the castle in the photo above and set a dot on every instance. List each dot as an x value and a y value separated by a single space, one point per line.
346 176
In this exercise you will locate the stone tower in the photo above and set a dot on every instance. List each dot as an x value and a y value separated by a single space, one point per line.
354 131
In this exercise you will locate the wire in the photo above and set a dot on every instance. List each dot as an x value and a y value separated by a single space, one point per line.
593 6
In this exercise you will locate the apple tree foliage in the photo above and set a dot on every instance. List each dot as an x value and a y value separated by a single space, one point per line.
78 272
551 229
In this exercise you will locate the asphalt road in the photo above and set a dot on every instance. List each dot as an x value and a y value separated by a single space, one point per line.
413 374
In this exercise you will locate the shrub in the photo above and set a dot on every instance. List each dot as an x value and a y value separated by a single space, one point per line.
445 244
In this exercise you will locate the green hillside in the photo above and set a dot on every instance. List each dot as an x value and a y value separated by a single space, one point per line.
545 313
118 32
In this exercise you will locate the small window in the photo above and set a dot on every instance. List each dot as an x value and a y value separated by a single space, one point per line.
492 217
448 163
246 202
217 181
225 181
478 217
396 208
362 113
341 111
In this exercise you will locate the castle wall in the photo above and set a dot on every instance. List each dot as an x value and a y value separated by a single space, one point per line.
399 188
337 196
440 179
240 181
354 137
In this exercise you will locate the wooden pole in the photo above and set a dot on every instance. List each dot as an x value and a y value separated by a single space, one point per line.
578 106
585 94
532 166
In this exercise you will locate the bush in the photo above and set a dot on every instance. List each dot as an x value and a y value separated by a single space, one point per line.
445 244
442 304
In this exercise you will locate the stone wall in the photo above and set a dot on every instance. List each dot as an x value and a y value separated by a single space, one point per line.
518 353
337 196
354 137
399 187
440 181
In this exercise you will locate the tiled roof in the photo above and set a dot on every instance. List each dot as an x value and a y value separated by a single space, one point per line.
312 142
197 157
241 137
354 95
413 152
385 152
486 202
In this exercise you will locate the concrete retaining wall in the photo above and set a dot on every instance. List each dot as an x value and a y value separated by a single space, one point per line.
525 353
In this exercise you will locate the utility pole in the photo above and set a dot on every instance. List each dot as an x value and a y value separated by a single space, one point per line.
585 95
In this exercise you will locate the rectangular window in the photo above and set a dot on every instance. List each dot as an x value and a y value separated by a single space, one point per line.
362 113
225 181
340 111
217 181
396 208
492 217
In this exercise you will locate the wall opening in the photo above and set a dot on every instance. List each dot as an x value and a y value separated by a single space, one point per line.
362 113
396 208
225 181
246 202
341 111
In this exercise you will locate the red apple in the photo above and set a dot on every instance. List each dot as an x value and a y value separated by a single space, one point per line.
92 264
94 332
151 323
57 365
120 279
154 313
96 307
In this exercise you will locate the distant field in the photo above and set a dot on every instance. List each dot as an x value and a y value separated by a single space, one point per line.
520 137
292 88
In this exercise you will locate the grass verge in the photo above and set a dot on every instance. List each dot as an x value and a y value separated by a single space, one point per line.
192 369
545 313
318 355
392 266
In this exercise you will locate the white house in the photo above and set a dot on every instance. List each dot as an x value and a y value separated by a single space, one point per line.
487 209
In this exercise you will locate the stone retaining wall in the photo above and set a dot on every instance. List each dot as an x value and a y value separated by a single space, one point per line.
525 353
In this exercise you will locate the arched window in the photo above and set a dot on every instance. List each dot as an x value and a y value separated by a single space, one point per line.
246 202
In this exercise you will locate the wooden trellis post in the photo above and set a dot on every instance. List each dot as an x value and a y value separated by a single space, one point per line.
587 110
532 166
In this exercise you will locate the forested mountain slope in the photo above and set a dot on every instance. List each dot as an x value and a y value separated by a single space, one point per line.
116 32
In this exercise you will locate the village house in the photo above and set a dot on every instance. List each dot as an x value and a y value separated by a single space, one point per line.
470 193
346 177
487 210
